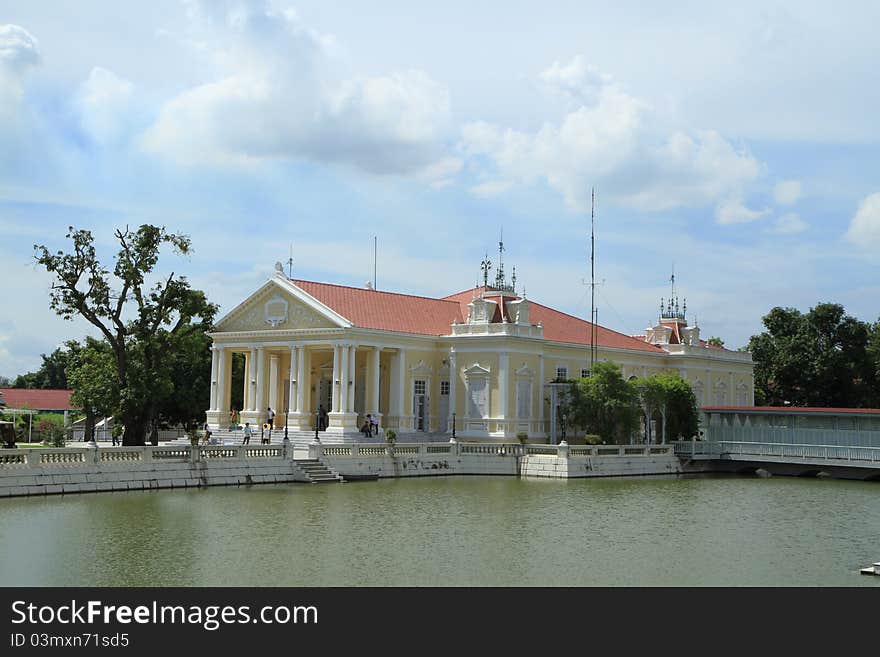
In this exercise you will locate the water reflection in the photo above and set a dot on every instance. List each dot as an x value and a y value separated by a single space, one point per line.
462 531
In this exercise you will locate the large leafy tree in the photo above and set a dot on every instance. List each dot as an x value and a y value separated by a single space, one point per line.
605 404
142 323
670 398
821 358
92 377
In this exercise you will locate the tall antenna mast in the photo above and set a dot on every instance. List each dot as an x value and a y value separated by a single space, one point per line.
290 262
593 346
375 252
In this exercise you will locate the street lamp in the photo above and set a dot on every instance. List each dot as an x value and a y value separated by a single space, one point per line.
317 423
286 410
453 425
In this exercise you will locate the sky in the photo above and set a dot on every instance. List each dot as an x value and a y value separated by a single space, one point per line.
735 144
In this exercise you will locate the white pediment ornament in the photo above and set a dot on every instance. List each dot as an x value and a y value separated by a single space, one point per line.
421 369
525 372
276 310
476 370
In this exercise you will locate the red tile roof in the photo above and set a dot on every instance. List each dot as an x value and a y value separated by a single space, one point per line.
39 400
567 328
387 311
406 313
789 410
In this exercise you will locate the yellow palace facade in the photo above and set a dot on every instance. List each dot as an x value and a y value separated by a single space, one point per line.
478 358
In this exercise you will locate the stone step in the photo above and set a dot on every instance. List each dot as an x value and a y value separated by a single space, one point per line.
316 471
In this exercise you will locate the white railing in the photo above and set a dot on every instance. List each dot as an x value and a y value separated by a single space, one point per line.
371 450
82 456
726 449
793 435
523 330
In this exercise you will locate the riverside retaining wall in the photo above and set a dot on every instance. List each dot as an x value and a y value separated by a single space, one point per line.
87 469
83 469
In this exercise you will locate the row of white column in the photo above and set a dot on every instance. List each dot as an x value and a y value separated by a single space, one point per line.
343 380
255 397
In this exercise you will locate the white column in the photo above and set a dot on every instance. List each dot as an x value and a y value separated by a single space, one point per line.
252 380
343 379
752 390
337 379
453 384
292 405
221 380
352 378
261 384
374 381
301 383
401 383
273 381
731 396
503 359
246 384
393 392
541 382
214 356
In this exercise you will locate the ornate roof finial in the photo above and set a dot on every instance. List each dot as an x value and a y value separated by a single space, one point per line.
513 280
486 265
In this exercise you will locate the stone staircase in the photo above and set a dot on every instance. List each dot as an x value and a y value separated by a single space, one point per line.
316 472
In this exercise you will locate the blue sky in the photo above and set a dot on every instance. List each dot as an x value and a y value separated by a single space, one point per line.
739 144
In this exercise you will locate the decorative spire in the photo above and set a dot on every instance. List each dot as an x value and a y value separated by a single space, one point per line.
513 280
486 265
671 310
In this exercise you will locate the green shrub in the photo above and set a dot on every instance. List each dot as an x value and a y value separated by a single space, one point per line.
592 439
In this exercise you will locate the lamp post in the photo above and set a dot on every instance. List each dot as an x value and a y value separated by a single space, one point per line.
317 423
453 426
286 410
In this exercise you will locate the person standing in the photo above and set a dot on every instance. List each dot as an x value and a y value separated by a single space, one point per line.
374 425
247 434
271 415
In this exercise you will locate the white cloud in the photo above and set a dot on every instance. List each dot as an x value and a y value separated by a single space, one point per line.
612 143
19 53
864 229
489 189
790 223
18 50
274 95
105 105
732 211
787 192
576 80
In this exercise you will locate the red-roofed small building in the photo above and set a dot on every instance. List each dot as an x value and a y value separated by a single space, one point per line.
481 356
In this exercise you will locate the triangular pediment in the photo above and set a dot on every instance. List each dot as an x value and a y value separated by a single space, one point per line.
279 304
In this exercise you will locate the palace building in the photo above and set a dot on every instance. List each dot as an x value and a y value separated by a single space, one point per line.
481 357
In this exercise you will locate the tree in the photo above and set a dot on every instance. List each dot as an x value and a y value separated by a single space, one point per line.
605 404
669 395
717 342
821 358
163 313
92 376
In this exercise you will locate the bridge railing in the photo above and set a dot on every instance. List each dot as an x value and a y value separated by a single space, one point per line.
727 448
793 435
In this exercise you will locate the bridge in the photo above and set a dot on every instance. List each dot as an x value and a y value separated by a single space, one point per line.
804 442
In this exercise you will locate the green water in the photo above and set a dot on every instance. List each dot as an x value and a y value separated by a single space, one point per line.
462 531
